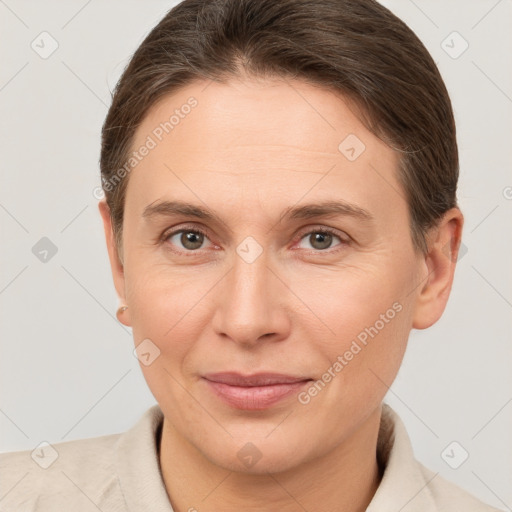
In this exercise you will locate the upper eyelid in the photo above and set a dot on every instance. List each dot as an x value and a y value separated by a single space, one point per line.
173 231
337 232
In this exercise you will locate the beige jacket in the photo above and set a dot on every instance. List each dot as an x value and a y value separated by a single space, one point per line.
120 472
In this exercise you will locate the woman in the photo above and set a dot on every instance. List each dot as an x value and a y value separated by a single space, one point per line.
280 211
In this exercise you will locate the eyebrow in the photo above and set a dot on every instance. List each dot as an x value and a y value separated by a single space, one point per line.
306 211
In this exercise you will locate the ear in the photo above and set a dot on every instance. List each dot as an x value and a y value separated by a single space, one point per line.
438 269
115 262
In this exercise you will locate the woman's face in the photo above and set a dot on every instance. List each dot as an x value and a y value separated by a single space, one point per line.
269 282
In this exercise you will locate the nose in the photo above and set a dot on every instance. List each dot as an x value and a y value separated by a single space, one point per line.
250 303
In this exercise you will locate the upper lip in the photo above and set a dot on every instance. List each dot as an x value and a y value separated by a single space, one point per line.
257 379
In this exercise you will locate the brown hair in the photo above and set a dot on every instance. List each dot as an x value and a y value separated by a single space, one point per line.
355 47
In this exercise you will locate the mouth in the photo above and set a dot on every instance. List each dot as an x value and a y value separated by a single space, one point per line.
254 392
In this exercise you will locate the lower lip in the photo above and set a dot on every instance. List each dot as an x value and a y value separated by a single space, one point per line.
254 397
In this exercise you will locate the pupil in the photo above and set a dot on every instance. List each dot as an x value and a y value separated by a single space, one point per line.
191 240
324 239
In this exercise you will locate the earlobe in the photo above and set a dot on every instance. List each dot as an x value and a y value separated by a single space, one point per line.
115 263
438 269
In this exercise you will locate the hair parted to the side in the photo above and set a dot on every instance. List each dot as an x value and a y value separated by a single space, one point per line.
355 47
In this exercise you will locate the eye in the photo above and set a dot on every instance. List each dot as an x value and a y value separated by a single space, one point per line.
321 239
189 239
193 239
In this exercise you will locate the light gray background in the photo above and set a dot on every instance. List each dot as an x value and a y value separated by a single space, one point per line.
67 367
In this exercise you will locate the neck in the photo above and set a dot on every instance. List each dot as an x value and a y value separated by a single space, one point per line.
345 478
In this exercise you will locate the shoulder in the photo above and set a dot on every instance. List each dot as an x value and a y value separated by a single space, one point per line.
408 485
60 474
449 496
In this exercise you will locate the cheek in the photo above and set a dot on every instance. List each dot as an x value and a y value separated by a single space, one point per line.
342 302
369 344
161 296
360 325
168 306
361 365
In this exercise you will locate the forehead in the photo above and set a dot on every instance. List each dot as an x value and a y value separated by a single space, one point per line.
257 141
315 118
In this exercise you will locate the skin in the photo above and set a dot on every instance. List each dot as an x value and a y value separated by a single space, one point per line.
249 150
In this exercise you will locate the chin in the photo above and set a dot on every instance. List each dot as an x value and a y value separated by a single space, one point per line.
257 457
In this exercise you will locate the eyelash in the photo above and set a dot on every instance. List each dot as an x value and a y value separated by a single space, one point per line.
195 229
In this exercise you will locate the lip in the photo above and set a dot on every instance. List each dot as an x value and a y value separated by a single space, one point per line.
253 392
